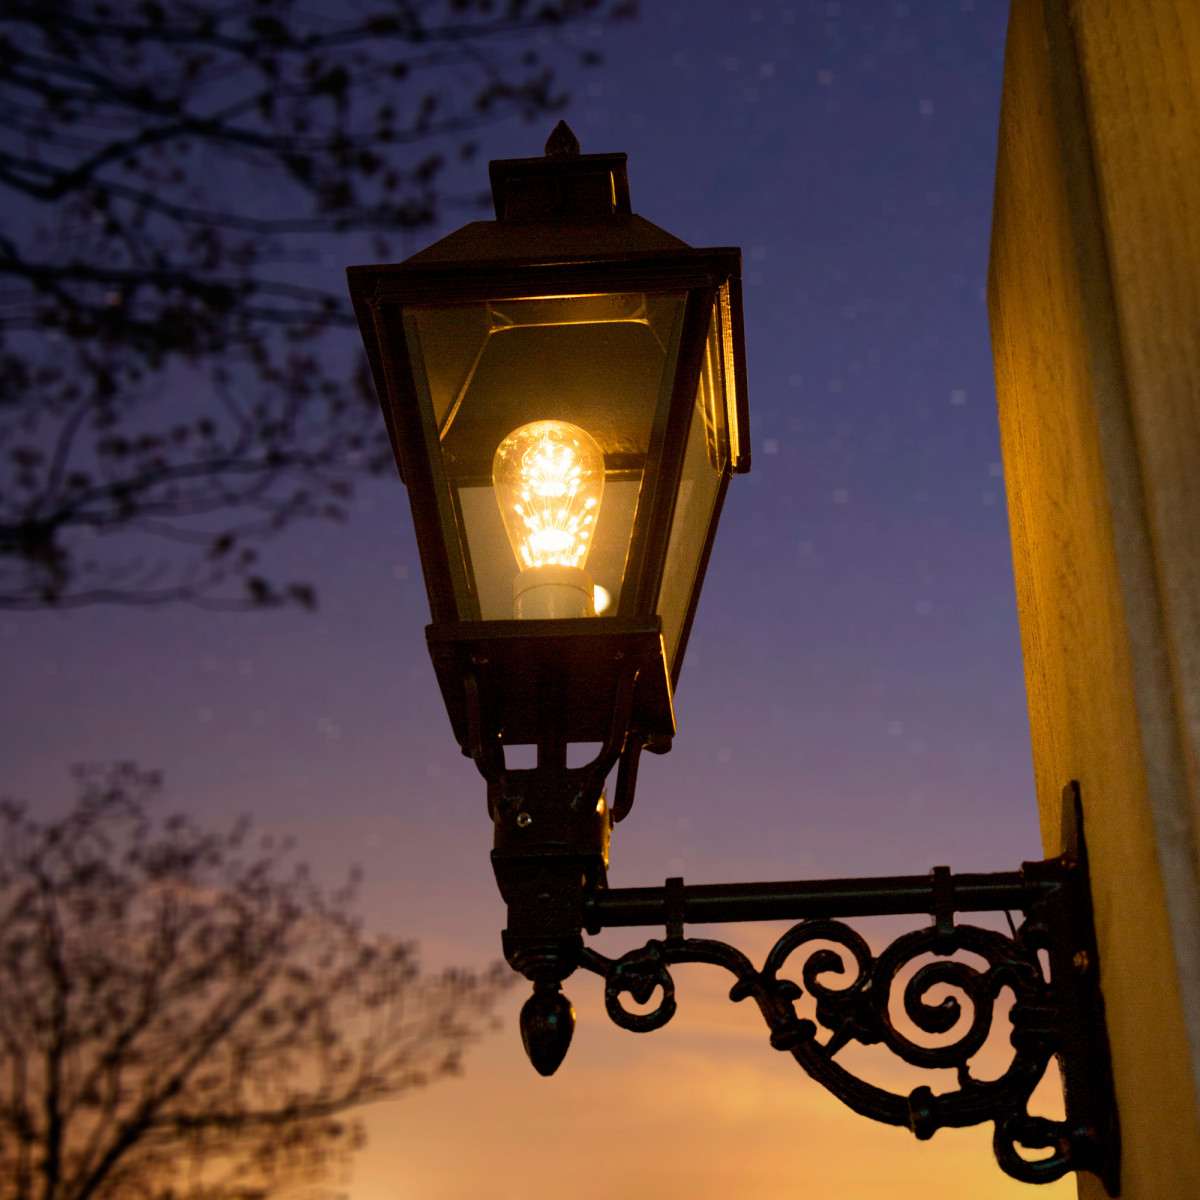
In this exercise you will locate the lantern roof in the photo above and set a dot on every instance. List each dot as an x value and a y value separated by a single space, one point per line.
566 205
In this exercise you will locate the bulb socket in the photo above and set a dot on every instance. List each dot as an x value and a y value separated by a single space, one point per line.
553 591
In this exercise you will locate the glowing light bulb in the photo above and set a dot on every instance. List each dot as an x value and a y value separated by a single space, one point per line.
549 479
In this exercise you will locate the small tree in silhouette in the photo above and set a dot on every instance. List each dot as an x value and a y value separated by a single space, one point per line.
179 379
185 1018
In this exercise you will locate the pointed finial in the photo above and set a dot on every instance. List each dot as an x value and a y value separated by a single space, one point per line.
547 1022
562 143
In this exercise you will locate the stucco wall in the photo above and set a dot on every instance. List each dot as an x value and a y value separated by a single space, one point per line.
1095 305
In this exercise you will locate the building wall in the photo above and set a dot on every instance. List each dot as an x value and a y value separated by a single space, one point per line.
1094 295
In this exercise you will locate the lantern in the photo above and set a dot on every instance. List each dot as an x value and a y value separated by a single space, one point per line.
564 390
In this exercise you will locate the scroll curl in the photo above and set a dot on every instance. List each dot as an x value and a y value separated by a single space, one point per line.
855 993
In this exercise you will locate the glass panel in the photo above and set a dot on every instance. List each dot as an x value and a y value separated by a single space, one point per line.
705 461
599 363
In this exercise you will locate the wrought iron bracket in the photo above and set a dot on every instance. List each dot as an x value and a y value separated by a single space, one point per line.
1048 963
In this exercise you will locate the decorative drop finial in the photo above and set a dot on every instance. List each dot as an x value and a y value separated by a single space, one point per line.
547 1022
562 143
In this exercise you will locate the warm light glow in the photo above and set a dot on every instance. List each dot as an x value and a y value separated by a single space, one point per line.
549 478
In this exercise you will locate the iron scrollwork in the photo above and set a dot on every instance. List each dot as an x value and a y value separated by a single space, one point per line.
1048 963
860 1011
853 994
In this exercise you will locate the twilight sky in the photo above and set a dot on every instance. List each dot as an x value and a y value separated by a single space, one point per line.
852 700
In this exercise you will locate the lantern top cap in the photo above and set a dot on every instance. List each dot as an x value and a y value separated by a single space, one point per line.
564 185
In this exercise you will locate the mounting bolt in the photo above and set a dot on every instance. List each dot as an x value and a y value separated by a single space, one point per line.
524 820
1082 961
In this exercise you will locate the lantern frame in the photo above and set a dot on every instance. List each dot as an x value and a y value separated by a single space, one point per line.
563 229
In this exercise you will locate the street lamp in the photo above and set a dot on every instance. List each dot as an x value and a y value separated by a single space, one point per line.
564 389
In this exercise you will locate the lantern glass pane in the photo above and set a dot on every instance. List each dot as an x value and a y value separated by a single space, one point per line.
600 363
705 465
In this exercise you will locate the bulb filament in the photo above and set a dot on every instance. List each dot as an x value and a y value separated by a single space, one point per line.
549 477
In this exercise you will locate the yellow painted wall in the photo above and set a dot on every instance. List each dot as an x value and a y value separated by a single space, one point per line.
1094 296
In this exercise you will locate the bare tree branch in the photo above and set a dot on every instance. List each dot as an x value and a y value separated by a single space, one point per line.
185 1016
164 172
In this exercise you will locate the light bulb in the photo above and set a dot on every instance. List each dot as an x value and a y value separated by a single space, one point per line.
549 478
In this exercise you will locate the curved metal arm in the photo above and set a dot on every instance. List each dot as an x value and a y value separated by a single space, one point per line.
857 1008
853 993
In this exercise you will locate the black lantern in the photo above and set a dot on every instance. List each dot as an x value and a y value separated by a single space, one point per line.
565 392
568 330
564 388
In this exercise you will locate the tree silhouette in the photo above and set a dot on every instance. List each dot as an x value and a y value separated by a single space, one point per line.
182 1018
177 377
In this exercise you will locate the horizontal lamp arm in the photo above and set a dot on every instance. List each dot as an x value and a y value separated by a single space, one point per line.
939 893
1048 962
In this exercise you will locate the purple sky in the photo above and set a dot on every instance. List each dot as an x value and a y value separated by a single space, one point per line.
852 700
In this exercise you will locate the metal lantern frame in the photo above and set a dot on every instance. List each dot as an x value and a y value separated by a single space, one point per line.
553 238
565 230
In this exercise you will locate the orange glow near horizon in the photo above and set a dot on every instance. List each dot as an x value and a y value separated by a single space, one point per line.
703 1109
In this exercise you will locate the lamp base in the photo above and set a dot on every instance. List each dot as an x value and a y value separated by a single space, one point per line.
508 661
